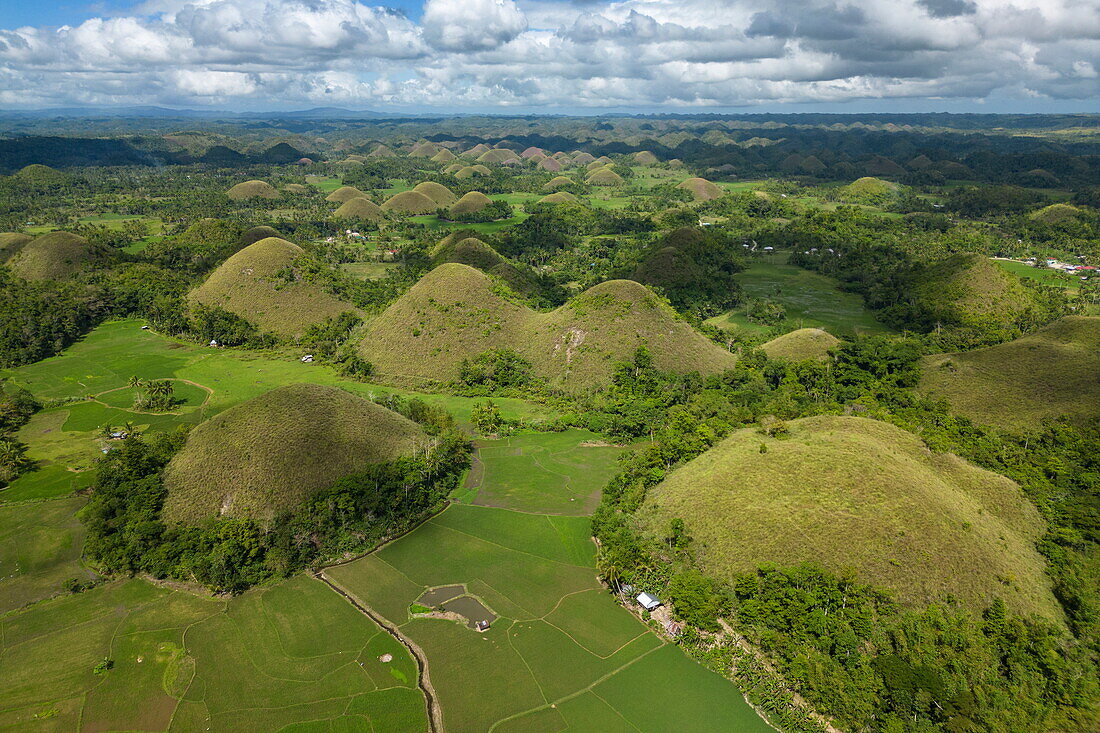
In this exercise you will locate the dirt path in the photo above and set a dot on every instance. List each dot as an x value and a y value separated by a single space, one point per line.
435 713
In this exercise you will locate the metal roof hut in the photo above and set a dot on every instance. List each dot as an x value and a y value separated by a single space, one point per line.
648 602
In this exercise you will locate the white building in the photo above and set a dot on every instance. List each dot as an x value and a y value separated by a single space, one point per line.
648 602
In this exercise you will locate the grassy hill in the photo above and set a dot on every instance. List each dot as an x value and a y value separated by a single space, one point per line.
701 189
1014 385
462 246
267 455
253 190
470 203
359 208
970 291
848 492
55 255
456 312
255 234
437 192
804 343
260 284
12 242
409 202
344 194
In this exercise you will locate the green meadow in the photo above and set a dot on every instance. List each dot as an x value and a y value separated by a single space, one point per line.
89 381
812 300
562 654
132 656
1044 275
551 473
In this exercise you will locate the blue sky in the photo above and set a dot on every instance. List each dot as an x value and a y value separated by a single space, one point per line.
555 55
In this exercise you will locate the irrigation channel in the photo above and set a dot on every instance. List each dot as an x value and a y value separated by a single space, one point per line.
435 713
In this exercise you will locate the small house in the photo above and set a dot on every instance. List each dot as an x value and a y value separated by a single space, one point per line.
648 602
213 342
483 625
307 359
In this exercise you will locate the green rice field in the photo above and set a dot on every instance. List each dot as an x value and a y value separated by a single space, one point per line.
563 655
178 661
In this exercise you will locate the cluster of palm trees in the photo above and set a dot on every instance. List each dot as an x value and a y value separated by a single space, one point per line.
13 459
153 394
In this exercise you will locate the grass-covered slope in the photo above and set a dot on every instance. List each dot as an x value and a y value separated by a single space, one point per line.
853 493
456 312
578 344
252 190
971 291
409 202
260 284
12 242
452 313
55 255
359 208
1052 372
267 455
804 343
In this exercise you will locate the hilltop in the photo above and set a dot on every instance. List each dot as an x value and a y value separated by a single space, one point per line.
849 492
463 247
252 190
261 285
52 256
804 343
970 291
456 312
265 456
1049 373
694 268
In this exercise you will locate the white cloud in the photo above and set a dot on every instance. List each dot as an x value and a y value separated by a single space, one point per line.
462 26
558 53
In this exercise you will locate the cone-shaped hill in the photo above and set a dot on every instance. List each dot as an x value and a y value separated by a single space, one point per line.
255 234
1052 372
252 190
559 197
437 192
261 285
12 242
344 194
264 457
853 493
359 208
463 247
805 343
54 256
456 312
557 182
604 177
701 189
971 291
470 203
409 202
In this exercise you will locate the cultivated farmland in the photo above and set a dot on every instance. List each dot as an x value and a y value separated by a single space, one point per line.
560 646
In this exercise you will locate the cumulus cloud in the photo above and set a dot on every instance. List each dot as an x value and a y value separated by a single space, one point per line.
462 26
558 53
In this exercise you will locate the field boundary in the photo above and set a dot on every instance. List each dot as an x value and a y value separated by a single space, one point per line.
424 682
